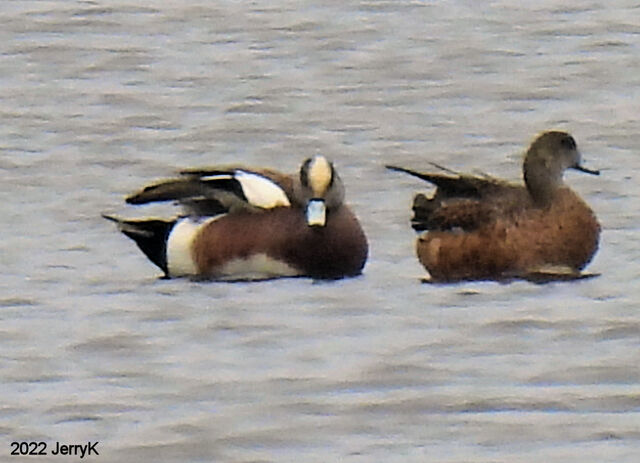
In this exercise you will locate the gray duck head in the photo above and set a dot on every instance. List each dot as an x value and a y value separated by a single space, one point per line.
550 154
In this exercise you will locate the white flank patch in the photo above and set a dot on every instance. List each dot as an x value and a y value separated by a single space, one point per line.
179 256
256 267
260 191
319 175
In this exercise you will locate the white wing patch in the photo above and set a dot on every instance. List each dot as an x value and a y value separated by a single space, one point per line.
260 191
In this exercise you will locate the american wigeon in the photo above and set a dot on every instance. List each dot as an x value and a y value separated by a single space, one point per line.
480 227
246 224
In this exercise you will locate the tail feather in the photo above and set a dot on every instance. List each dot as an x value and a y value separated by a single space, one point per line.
460 201
211 194
150 235
169 190
423 208
199 197
450 185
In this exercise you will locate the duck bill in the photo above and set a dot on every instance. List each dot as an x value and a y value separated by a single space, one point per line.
586 171
316 213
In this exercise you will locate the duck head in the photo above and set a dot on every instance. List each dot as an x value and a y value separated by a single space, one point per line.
320 190
550 154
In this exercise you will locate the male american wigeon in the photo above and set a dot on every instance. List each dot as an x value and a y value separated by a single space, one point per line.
248 224
480 227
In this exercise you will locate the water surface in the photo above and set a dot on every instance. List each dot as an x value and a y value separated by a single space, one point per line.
98 99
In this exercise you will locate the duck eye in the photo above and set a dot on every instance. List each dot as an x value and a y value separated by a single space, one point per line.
568 143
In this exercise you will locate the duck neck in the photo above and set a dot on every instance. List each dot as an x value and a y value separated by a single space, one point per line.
542 181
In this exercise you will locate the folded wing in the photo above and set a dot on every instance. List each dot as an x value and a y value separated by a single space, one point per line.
213 191
464 202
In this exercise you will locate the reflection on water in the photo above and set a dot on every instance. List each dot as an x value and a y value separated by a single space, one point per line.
98 99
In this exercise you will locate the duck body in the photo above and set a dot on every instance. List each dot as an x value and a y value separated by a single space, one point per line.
252 224
513 240
485 228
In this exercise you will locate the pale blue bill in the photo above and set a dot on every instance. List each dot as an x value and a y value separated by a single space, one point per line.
316 213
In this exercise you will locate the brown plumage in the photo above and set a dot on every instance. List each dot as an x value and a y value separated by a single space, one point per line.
336 250
486 228
252 224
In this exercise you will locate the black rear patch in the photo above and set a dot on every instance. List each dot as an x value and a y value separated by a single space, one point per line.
150 235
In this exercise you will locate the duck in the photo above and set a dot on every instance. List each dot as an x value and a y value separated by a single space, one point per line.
478 227
249 224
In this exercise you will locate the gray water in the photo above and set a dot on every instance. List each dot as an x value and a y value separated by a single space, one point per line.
99 98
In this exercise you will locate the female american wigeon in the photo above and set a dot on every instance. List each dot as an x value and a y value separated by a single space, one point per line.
247 224
479 227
